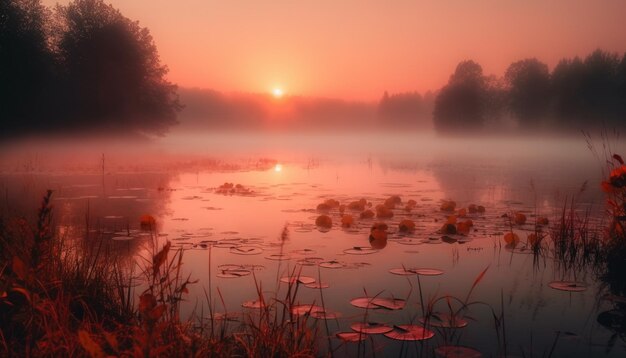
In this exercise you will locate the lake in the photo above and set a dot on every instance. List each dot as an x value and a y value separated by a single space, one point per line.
244 207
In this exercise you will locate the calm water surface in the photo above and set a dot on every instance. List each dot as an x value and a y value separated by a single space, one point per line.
177 181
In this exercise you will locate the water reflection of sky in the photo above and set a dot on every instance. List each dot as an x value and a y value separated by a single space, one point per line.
192 215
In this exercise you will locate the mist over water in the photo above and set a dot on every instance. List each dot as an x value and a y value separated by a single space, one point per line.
286 175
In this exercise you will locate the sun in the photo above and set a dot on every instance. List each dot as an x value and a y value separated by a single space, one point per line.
277 92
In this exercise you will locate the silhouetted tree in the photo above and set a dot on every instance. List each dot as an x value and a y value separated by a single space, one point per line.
495 101
601 86
528 83
567 84
621 78
461 104
113 75
26 64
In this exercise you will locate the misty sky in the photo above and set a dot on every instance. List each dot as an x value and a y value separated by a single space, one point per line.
356 49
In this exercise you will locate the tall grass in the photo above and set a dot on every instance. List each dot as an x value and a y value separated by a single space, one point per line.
66 297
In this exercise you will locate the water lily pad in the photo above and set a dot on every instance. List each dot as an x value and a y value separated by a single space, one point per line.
351 336
310 261
325 315
389 303
304 252
305 309
409 241
123 238
332 264
364 302
360 250
317 285
227 316
570 286
402 272
427 271
305 280
371 327
233 272
278 257
409 332
246 250
254 304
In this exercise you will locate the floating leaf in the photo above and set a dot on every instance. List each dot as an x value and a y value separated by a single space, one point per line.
227 316
351 336
409 241
331 264
310 261
569 286
363 302
278 257
360 250
246 250
370 327
233 272
409 332
306 309
402 272
389 303
123 238
317 285
427 271
253 304
367 214
432 240
305 280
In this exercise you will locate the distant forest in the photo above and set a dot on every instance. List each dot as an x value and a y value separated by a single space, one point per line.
579 94
83 66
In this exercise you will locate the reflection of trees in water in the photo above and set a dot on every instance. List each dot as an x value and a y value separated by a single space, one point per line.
475 180
85 208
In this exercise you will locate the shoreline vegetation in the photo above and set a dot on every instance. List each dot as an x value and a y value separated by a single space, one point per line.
68 297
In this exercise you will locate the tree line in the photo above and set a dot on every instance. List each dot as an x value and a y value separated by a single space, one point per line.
80 66
579 94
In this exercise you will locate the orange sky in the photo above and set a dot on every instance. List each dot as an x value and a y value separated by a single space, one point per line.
356 49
